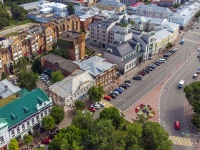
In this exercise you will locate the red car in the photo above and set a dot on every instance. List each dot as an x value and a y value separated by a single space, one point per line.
92 109
46 141
107 97
177 125
141 73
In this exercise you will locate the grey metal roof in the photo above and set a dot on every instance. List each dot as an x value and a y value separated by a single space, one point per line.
120 50
95 65
111 3
62 62
11 89
154 8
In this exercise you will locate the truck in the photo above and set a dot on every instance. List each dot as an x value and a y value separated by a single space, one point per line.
182 41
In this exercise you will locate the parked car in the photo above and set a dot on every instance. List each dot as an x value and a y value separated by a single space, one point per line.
101 104
127 81
15 81
195 76
116 93
96 106
198 49
46 141
146 71
112 95
166 55
107 97
169 53
177 125
137 77
128 84
198 56
153 65
141 73
118 90
162 60
92 109
157 64
123 86
150 69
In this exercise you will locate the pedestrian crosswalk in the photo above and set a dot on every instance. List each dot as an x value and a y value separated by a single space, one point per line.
176 140
107 104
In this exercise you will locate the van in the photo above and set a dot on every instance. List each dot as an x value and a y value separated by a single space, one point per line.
161 60
181 84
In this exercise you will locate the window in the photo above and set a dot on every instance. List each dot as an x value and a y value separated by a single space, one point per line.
13 133
50 108
23 126
41 114
33 121
28 124
37 118
2 139
45 112
18 129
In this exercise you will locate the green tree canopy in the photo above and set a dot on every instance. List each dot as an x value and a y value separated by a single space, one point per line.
21 64
196 121
56 76
27 139
95 93
18 12
192 93
37 66
13 145
70 9
58 114
197 15
48 122
79 105
4 16
155 137
113 114
24 77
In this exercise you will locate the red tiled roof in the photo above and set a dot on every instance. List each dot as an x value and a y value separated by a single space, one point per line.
137 4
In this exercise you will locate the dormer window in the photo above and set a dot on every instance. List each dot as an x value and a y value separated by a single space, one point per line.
109 50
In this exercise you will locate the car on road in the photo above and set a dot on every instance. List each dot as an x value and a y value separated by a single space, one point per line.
46 141
101 104
127 81
112 95
128 84
198 56
181 84
92 109
107 97
177 125
195 76
96 106
137 77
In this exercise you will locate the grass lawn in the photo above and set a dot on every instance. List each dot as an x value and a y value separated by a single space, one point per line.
11 34
7 100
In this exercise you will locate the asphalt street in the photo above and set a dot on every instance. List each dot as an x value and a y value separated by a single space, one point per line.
172 99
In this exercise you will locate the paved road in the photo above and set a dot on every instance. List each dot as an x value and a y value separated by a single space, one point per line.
15 29
172 99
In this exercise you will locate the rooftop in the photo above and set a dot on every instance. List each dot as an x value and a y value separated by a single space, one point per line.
70 35
112 3
23 107
95 65
154 8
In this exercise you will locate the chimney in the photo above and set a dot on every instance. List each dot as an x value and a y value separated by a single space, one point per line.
6 87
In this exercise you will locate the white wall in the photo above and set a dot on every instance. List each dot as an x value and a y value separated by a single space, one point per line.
4 133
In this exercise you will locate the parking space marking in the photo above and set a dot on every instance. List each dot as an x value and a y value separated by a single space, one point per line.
191 41
181 141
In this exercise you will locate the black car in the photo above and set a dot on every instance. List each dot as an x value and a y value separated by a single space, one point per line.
166 55
145 70
157 64
198 56
112 95
150 69
169 53
137 77
123 86
127 81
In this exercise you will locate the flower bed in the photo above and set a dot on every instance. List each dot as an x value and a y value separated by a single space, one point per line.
145 110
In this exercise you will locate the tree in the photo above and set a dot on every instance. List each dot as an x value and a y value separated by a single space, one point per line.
113 114
21 63
56 76
79 105
37 66
197 15
27 139
155 137
70 9
196 121
3 75
24 77
13 145
18 12
192 93
95 93
58 114
4 16
48 123
176 5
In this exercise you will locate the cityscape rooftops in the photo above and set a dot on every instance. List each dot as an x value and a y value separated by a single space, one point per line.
154 8
113 3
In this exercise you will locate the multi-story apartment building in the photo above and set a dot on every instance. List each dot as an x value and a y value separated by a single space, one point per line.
103 72
74 43
153 11
23 116
69 23
111 5
16 49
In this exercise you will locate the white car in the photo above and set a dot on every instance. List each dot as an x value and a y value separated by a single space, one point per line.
101 104
161 60
116 93
121 88
128 84
96 106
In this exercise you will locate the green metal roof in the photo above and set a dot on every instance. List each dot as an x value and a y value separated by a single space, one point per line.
23 92
22 107
3 123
